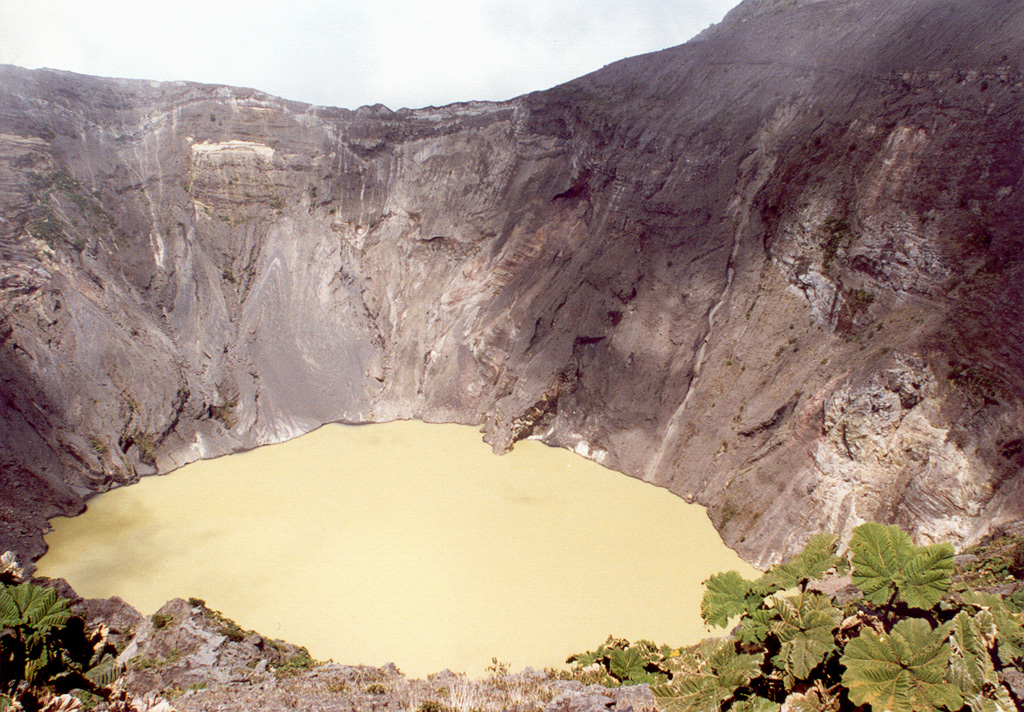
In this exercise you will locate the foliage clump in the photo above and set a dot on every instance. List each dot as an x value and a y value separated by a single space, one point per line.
618 662
834 232
161 620
44 190
860 299
45 650
911 641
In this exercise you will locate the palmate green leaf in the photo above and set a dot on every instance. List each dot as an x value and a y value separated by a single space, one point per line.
805 630
1010 648
812 563
625 664
592 656
726 596
693 693
707 676
983 601
585 659
927 576
647 678
970 664
1009 625
734 669
879 553
755 626
886 563
903 671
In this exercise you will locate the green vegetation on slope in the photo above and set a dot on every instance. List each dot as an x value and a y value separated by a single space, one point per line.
907 635
45 650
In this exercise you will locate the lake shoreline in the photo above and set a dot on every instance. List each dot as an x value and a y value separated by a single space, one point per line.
409 557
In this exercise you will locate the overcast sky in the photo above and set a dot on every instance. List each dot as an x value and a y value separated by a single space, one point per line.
345 53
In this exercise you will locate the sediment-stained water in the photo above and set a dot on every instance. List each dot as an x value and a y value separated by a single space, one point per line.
408 543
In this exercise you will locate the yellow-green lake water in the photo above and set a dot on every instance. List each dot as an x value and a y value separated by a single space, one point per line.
407 543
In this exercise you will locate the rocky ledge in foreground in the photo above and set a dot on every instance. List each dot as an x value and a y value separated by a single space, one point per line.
189 658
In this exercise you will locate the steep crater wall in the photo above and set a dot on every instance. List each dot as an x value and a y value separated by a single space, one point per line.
774 270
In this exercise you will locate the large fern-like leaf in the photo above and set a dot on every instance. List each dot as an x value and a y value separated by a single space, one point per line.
878 554
805 630
10 613
106 672
588 658
970 664
37 607
687 663
886 564
903 671
980 600
35 666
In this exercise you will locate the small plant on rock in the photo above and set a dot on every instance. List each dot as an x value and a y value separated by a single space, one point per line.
161 620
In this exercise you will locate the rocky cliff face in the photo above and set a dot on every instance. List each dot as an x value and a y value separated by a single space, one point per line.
775 270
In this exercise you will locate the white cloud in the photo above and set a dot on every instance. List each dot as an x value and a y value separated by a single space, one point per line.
343 53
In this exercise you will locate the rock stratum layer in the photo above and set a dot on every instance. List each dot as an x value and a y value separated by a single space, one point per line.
775 270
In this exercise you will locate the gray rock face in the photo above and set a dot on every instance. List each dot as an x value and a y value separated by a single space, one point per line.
775 270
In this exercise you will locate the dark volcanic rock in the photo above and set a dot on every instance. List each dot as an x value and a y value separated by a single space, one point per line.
775 270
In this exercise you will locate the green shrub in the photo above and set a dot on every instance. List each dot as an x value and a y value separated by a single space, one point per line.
147 447
973 380
906 644
835 231
46 650
619 662
161 620
860 299
431 706
300 660
97 446
48 228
